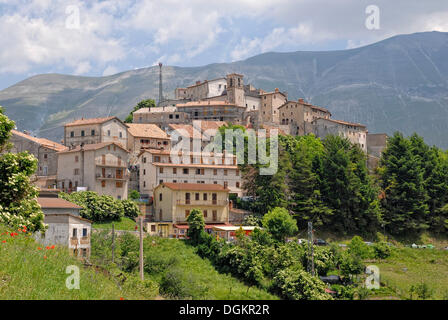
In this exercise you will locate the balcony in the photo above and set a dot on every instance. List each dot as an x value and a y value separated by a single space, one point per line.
209 219
202 203
111 163
112 176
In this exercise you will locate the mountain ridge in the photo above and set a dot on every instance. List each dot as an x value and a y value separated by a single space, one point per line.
400 83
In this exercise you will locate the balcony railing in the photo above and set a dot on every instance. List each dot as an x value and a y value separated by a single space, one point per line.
111 163
202 202
209 219
112 176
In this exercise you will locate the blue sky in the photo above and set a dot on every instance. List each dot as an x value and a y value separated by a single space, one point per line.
96 38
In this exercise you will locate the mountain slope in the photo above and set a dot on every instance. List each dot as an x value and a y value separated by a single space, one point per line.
400 83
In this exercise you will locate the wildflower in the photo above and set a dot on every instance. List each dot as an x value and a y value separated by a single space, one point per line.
121 298
52 247
39 248
45 257
4 241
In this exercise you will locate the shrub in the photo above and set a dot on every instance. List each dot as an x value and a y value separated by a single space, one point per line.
176 284
421 290
381 250
134 195
252 220
358 248
350 264
279 223
131 209
296 284
196 225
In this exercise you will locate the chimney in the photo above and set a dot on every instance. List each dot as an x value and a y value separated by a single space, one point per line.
276 90
301 101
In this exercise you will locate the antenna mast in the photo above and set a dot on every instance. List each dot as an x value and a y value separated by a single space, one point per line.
160 84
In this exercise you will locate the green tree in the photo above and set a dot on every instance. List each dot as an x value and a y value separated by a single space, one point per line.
402 174
196 225
18 206
131 209
149 103
134 195
279 223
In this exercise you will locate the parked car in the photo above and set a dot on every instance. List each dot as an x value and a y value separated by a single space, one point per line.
320 242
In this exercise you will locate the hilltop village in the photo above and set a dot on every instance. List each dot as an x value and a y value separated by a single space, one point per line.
110 157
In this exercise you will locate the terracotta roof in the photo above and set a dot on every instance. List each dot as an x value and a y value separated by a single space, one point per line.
186 130
69 215
146 131
195 186
342 122
42 141
56 203
81 122
211 125
94 146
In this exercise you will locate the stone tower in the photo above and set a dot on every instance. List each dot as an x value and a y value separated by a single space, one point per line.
235 89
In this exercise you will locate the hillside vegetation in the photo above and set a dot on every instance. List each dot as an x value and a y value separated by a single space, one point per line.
30 271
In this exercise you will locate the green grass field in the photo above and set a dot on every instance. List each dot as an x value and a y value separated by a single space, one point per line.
124 224
206 282
30 273
407 267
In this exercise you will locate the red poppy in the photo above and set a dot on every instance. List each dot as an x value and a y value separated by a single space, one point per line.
4 241
45 257
121 298
39 248
52 247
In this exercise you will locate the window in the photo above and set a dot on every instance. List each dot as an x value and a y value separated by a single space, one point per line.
92 132
225 172
177 116
198 171
226 184
103 183
185 171
156 159
75 233
84 252
214 198
204 197
205 213
187 213
82 133
215 182
237 173
108 133
160 181
160 170
215 172
196 197
174 170
121 134
187 198
144 172
76 158
144 160
84 232
160 215
237 184
45 156
144 184
215 215
160 197
119 184
76 172
171 116
72 134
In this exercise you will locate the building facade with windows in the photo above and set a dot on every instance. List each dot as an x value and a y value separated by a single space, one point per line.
157 166
95 130
173 203
101 167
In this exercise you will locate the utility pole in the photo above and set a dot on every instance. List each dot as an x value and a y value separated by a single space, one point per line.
113 242
310 249
141 249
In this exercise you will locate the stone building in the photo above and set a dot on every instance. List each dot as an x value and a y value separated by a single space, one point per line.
355 132
146 136
160 116
65 226
173 203
376 143
213 110
202 90
159 166
298 115
45 152
94 131
100 167
269 105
